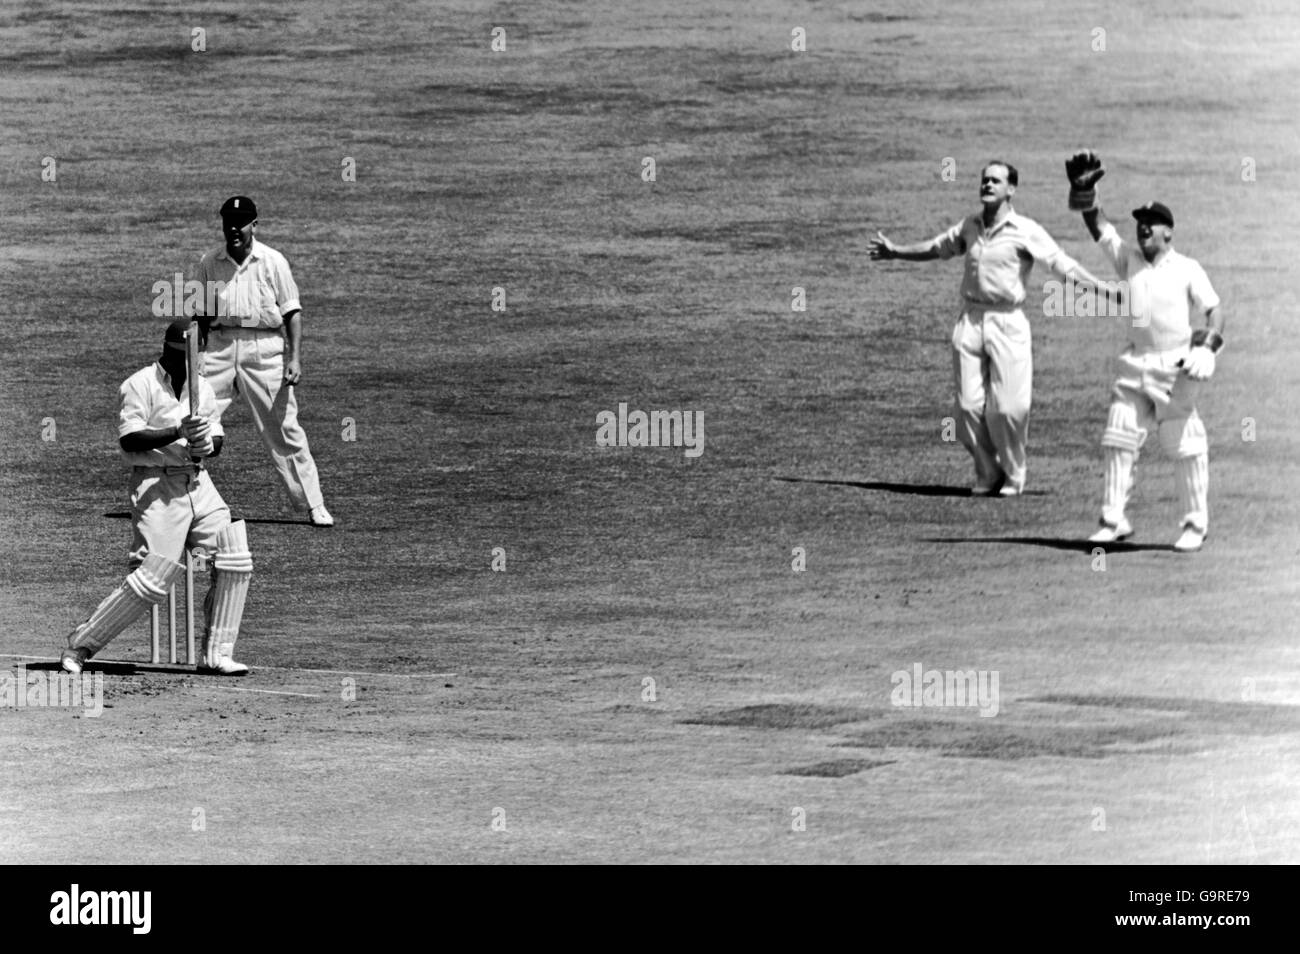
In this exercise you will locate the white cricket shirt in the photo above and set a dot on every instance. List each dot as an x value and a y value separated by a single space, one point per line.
1163 298
255 294
146 402
998 260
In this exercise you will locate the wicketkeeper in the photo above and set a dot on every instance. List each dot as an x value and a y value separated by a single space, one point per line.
174 507
1161 369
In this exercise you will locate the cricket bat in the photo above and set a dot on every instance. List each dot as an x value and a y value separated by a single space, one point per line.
192 366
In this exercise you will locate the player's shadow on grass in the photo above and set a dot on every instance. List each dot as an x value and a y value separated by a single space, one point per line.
1055 543
920 490
112 668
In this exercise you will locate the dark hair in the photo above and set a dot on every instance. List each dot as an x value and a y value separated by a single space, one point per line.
1013 177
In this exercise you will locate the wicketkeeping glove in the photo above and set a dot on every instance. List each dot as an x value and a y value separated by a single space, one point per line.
1200 361
1084 172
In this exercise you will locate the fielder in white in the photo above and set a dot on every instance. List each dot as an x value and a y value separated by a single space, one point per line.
1161 369
252 345
174 506
992 352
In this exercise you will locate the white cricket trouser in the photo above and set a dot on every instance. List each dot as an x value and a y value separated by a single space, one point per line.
993 369
174 512
250 361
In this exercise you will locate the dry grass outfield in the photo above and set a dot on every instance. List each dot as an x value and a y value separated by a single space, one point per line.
1163 692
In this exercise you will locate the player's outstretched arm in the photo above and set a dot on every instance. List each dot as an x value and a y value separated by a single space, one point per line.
881 249
1110 291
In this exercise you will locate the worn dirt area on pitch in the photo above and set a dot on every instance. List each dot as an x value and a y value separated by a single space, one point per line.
403 693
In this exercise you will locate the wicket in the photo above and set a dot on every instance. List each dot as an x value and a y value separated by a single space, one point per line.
155 614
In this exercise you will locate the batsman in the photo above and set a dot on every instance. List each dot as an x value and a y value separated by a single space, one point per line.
167 428
1164 363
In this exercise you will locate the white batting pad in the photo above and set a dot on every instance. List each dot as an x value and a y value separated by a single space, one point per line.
234 566
146 585
1193 478
1119 474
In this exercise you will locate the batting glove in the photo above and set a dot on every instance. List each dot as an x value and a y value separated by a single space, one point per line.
197 434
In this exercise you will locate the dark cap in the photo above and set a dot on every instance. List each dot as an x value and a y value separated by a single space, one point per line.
1155 212
175 336
238 210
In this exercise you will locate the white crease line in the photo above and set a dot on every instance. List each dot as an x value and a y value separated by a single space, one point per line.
274 692
355 672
